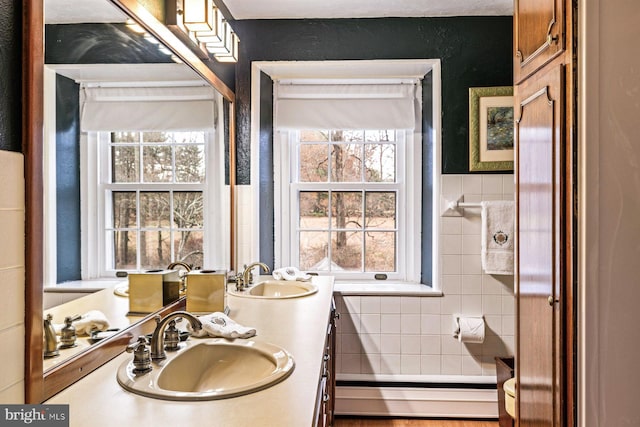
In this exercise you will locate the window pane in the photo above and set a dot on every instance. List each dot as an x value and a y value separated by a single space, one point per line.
124 209
346 250
188 246
314 250
188 209
157 164
380 162
347 135
380 251
155 250
154 209
314 210
117 137
346 163
314 162
125 161
124 249
380 135
186 137
190 163
314 136
380 210
156 137
346 209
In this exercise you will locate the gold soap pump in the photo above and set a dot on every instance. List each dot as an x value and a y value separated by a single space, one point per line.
68 333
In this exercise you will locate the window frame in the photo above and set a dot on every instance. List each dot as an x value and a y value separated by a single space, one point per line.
96 189
408 247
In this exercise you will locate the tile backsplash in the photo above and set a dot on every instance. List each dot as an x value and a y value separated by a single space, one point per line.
413 335
12 271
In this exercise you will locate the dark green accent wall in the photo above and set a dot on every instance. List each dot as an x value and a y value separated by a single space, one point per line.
68 180
475 51
10 75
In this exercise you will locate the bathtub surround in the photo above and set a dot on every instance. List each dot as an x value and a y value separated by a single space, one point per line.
409 339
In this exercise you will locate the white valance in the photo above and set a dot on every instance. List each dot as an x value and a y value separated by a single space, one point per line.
147 108
346 106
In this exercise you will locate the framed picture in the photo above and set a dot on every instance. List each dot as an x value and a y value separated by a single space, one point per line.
491 128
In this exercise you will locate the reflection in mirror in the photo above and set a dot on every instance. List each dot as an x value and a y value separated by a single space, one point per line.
134 171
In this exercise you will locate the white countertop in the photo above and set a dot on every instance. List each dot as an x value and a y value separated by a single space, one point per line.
299 325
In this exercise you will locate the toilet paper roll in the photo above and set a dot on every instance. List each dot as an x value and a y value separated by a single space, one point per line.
470 330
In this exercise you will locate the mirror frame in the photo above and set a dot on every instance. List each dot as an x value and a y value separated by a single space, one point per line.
38 386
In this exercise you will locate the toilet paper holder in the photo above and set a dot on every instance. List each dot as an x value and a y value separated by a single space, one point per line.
456 321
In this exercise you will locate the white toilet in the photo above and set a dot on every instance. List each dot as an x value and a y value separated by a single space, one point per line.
510 396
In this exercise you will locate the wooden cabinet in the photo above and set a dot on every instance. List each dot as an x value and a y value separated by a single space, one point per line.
544 75
325 401
539 35
539 154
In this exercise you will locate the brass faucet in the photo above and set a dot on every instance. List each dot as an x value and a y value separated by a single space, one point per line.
245 279
175 264
157 338
183 281
50 339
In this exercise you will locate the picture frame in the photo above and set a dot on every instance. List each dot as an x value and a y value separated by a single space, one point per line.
491 129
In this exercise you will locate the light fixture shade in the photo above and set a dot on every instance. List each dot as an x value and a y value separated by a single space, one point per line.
216 35
232 53
198 15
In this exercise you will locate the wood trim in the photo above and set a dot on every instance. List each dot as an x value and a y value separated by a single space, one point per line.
232 185
159 30
33 116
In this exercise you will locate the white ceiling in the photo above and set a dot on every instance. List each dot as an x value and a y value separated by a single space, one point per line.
69 11
273 9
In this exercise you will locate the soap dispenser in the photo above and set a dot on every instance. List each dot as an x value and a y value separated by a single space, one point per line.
68 333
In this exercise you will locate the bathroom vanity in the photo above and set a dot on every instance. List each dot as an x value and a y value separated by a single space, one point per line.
303 326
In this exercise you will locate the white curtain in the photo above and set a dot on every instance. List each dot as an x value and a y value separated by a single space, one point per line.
347 106
147 108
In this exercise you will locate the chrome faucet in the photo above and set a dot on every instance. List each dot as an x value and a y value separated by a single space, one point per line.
245 279
157 338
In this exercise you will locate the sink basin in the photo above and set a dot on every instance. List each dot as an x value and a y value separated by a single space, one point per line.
214 369
277 289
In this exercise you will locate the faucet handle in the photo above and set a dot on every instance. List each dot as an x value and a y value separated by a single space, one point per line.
141 355
172 335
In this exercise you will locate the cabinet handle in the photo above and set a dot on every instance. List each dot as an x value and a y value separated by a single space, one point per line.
551 300
325 397
552 39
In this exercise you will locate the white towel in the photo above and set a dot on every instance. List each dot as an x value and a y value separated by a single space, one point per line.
93 320
497 237
290 273
220 325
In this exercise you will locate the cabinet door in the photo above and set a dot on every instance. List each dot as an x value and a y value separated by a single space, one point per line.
539 105
539 34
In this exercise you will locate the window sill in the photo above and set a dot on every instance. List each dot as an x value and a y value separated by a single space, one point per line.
365 287
82 286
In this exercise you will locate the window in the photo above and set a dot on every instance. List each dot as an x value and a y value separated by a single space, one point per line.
346 193
154 199
349 197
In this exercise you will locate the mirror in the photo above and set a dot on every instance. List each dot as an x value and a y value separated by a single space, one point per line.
176 64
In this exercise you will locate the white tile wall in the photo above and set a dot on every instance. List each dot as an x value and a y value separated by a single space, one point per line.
413 335
12 270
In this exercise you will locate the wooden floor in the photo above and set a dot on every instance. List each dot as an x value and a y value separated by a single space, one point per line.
412 422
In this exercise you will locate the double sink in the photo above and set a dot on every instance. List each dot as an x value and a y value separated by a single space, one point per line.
217 368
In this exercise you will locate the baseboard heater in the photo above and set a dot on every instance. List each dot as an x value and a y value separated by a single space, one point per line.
417 399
